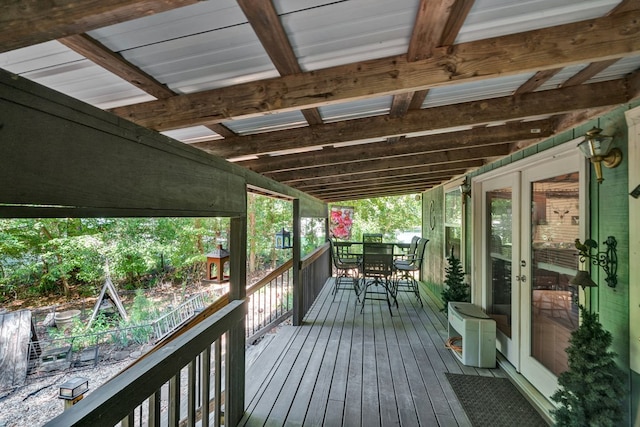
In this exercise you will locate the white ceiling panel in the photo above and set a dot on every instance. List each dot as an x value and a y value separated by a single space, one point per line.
356 109
54 65
492 18
348 31
192 134
620 69
191 49
474 91
270 122
174 24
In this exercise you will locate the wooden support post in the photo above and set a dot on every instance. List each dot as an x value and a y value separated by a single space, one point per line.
298 289
235 378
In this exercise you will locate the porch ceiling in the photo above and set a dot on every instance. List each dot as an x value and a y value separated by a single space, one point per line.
340 99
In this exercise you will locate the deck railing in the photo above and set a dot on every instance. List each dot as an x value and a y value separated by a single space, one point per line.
315 269
186 375
270 301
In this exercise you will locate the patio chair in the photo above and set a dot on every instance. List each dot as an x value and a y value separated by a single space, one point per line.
346 266
371 237
405 280
376 270
411 252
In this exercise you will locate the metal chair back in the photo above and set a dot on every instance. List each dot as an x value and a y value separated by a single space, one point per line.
371 237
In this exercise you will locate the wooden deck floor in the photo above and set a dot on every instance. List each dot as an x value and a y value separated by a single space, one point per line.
346 368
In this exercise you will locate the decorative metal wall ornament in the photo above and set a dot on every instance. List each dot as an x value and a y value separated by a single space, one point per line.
608 259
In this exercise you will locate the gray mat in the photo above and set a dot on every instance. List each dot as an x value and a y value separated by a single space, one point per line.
494 402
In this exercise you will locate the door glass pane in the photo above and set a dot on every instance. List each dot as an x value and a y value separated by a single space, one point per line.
453 222
499 242
554 227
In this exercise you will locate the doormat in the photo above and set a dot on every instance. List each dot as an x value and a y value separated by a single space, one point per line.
494 402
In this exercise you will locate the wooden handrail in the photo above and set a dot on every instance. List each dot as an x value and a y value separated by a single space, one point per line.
313 256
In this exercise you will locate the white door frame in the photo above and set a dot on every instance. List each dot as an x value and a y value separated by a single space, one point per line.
566 151
633 122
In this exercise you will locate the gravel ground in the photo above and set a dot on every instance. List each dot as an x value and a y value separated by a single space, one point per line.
36 402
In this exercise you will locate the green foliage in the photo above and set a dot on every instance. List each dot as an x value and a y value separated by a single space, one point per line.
386 215
454 287
592 388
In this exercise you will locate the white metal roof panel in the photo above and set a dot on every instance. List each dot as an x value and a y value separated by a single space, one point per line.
348 31
356 109
473 91
267 123
53 65
192 134
195 48
492 18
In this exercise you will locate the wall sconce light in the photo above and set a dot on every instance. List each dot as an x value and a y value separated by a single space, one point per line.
283 239
597 148
465 188
608 260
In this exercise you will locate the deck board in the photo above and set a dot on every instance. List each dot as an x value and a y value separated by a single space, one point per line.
347 368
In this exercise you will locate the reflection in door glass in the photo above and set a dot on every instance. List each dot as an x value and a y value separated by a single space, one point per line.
554 228
499 241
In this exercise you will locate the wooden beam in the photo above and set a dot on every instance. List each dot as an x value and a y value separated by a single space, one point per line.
26 23
600 39
380 179
380 187
371 194
266 23
430 21
99 54
408 146
311 179
457 17
394 163
536 81
466 114
588 72
80 158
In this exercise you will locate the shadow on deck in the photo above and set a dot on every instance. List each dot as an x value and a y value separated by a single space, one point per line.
342 367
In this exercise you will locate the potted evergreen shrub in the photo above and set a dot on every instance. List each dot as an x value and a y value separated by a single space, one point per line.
591 390
454 287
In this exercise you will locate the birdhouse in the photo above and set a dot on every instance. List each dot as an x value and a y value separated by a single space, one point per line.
217 261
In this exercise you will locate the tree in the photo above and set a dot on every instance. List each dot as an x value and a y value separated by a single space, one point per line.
592 388
455 289
386 215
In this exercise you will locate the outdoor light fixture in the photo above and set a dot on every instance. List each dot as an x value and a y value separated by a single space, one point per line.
608 260
597 148
283 239
465 188
73 390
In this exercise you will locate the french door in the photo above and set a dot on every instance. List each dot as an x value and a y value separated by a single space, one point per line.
531 216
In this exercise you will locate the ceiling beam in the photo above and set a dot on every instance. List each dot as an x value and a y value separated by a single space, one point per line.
111 61
266 23
476 137
588 72
26 23
394 163
466 114
375 193
115 63
595 40
345 183
312 178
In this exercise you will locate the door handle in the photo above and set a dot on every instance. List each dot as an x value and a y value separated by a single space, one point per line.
522 278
